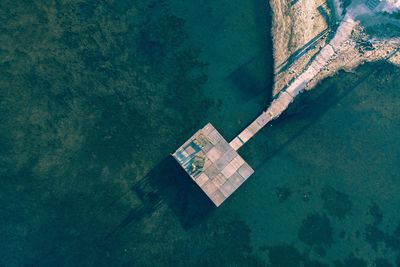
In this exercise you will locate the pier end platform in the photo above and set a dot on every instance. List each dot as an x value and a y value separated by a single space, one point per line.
213 164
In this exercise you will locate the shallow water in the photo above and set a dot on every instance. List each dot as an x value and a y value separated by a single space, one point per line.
94 96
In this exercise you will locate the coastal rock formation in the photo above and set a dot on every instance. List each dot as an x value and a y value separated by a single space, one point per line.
306 31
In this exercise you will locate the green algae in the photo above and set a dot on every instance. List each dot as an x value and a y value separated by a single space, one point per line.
84 102
335 202
95 95
316 230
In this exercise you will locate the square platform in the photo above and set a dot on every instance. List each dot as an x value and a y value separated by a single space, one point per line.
213 164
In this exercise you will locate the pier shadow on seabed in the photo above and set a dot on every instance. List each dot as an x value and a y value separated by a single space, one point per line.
167 183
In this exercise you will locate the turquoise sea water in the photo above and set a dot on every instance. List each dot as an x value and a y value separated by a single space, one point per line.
96 94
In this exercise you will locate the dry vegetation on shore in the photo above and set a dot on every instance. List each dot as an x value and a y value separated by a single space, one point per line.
302 28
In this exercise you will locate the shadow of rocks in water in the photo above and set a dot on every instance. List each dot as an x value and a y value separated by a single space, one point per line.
249 80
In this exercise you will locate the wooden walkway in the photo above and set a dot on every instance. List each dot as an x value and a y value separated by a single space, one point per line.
286 96
214 164
277 107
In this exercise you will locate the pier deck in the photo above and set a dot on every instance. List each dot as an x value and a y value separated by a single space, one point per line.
213 164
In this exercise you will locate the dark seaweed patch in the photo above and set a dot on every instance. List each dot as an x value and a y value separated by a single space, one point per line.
376 214
283 193
223 243
86 112
381 262
288 256
335 202
316 229
351 261
374 235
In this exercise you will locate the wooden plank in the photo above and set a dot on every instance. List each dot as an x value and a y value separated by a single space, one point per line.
236 143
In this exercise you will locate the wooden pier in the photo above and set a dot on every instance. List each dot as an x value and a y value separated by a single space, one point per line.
214 164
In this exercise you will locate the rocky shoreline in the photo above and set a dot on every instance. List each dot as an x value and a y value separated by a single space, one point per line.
300 29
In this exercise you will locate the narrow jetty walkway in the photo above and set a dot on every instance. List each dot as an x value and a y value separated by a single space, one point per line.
287 95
